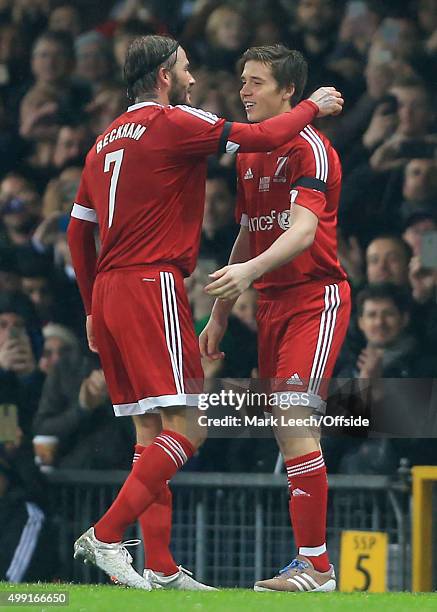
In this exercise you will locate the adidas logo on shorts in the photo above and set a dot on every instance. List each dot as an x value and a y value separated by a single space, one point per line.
300 493
249 174
294 380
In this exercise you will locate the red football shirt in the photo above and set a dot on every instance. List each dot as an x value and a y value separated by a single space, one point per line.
144 181
306 171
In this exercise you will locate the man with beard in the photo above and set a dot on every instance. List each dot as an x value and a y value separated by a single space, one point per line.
144 184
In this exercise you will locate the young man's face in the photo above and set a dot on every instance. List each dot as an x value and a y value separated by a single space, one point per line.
260 93
381 322
182 80
386 262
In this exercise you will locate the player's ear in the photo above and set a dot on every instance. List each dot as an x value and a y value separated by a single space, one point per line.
163 78
289 92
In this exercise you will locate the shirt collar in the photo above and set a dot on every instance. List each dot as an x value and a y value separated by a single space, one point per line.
141 104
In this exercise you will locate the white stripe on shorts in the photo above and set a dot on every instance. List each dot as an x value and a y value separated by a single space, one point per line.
324 340
171 325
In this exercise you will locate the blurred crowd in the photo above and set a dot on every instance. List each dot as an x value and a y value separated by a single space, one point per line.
61 85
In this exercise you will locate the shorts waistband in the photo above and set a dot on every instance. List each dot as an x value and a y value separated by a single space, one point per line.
156 267
278 293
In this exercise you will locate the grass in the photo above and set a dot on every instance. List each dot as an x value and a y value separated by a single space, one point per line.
102 598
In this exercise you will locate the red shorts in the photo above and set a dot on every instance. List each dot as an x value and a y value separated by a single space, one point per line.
144 333
300 334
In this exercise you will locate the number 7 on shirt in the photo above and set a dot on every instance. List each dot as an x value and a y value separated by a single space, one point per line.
115 157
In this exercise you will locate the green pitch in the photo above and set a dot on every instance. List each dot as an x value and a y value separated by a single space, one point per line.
88 598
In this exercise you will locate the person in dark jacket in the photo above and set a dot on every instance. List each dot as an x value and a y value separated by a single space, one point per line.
75 411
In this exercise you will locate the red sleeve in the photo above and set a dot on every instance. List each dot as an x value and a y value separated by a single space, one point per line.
82 243
309 172
201 133
240 206
195 131
271 133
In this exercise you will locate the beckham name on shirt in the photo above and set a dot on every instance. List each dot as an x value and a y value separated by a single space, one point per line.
126 130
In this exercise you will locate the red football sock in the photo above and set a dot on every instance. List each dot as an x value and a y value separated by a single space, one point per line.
308 487
157 464
156 529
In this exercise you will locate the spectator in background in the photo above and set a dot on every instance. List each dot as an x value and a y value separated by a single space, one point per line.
218 93
20 379
19 217
314 34
245 308
106 105
50 240
39 119
414 120
75 409
387 259
60 193
32 15
14 61
28 551
59 341
225 38
9 275
419 189
72 144
94 60
65 18
415 226
218 229
409 108
124 34
52 66
12 185
391 352
39 282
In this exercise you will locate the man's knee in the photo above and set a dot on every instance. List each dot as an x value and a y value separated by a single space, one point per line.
296 437
186 422
147 427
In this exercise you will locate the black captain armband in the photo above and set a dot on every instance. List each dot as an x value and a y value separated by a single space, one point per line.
311 183
224 144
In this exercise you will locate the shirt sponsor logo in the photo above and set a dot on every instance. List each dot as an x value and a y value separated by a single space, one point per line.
264 183
284 219
263 223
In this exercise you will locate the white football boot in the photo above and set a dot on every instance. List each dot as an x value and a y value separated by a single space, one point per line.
180 581
113 559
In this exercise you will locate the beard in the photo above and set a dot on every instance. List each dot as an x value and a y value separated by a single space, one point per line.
178 94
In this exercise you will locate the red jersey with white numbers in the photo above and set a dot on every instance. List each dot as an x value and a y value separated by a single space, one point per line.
306 171
144 180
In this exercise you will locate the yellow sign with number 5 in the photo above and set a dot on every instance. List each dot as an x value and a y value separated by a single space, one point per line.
363 561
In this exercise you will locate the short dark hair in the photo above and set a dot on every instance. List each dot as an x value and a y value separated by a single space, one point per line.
144 57
19 304
408 251
289 67
384 291
63 39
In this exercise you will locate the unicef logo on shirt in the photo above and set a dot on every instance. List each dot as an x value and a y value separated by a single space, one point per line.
284 219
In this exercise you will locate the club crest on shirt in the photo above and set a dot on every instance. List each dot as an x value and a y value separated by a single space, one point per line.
284 219
264 183
280 175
